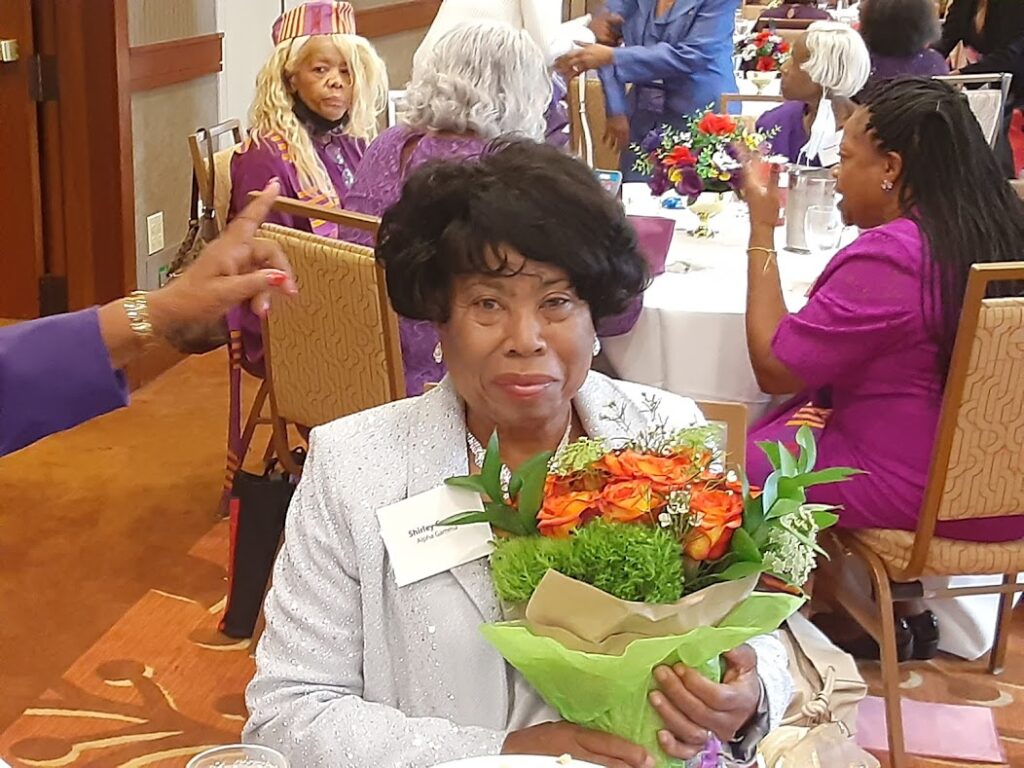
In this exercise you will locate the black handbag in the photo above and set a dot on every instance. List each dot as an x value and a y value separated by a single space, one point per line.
259 505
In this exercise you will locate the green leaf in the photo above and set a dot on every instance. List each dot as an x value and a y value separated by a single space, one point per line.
823 476
744 548
771 491
469 482
787 462
466 518
753 515
490 472
808 449
825 519
740 571
783 507
532 474
771 450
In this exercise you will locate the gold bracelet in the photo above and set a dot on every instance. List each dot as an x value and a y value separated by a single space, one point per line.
136 306
770 253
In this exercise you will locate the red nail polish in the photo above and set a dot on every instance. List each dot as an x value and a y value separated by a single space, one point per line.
277 279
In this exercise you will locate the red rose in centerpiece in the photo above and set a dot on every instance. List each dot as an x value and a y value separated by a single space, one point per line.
717 125
765 64
680 156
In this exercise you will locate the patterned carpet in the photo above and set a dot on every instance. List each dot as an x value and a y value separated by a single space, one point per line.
114 660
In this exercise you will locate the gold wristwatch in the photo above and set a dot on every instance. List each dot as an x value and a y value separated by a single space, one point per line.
136 306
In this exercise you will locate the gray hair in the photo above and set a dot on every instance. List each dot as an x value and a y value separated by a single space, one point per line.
486 78
839 61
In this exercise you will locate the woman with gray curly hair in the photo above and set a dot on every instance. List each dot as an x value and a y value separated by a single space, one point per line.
480 81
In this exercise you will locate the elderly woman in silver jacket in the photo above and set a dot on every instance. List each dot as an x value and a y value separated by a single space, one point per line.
515 257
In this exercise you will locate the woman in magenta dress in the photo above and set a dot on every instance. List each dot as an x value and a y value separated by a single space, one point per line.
898 34
869 352
478 82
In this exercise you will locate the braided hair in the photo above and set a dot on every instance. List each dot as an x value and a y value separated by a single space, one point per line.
953 189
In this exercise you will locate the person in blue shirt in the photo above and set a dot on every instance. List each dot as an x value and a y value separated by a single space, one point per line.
676 53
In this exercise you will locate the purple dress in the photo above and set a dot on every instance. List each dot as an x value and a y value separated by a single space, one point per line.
796 11
926 63
862 347
791 135
55 372
377 187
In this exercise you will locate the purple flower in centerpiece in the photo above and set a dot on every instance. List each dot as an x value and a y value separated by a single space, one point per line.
690 184
659 182
651 141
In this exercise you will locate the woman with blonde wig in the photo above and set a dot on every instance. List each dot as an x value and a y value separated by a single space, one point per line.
316 107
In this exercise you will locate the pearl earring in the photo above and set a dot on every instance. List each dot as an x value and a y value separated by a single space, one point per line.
438 354
597 346
887 185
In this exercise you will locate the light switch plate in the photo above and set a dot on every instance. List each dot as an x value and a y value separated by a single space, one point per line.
155 230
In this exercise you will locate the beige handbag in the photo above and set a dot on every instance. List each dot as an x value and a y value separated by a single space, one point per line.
818 726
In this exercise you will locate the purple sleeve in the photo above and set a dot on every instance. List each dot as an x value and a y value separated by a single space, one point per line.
556 131
866 300
251 171
55 372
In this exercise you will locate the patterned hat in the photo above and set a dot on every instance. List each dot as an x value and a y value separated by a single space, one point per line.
317 17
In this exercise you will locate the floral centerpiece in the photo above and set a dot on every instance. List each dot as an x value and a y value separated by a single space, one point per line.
700 162
644 552
764 51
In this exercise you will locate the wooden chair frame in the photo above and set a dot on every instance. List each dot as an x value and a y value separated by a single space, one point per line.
392 343
733 98
890 584
789 25
202 146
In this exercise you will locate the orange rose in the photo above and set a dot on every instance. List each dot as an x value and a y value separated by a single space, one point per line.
562 514
680 156
626 501
666 473
722 513
716 125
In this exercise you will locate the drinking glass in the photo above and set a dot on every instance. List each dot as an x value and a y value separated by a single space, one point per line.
823 228
239 756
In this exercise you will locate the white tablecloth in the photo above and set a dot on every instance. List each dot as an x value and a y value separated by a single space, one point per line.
690 338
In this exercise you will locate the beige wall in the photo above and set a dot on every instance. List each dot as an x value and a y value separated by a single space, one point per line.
162 119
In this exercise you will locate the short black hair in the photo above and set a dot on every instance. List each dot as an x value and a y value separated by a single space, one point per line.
898 27
454 217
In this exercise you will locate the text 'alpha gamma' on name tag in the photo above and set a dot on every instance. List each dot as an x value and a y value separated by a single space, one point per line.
418 547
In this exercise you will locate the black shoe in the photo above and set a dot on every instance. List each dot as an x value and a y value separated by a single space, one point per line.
925 628
862 646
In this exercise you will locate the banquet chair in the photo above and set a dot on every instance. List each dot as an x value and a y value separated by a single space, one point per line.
733 417
784 25
762 103
987 100
332 349
976 472
1018 187
587 121
212 166
395 99
751 12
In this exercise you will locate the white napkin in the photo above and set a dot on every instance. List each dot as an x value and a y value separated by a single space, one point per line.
568 34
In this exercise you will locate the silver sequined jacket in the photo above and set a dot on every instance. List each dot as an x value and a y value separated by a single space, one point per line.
354 671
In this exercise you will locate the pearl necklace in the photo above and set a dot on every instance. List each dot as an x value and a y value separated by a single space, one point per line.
480 454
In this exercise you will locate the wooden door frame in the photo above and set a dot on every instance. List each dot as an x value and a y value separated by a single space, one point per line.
86 141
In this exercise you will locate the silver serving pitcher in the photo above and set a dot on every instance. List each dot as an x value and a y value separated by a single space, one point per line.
807 187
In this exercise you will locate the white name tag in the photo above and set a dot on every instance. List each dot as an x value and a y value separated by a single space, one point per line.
418 547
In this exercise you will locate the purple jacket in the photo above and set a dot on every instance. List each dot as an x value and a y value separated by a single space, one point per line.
791 135
926 63
55 373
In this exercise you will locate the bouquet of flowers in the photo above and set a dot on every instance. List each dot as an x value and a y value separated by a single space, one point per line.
763 51
645 552
703 157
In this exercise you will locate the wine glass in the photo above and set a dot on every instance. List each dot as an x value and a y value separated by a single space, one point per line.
823 228
239 756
